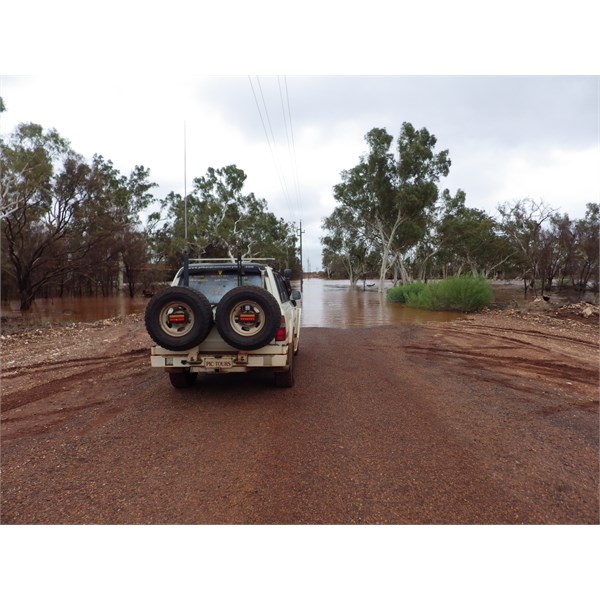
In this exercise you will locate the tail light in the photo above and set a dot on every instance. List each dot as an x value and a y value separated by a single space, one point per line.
281 334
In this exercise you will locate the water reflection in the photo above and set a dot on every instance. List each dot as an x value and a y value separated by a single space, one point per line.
325 304
73 309
337 304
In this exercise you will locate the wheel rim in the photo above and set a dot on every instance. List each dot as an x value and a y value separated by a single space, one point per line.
176 319
247 318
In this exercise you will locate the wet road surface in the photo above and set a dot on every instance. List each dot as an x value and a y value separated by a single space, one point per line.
401 424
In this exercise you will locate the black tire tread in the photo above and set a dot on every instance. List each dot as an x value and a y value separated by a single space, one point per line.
285 379
181 380
271 311
202 315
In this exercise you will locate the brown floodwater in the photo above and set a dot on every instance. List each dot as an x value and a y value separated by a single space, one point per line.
337 304
324 304
45 311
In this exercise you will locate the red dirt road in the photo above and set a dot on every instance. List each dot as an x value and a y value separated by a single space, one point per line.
493 419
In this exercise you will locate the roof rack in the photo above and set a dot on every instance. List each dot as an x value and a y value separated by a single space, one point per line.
200 261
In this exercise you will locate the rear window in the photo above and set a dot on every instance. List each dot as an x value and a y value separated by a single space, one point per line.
215 284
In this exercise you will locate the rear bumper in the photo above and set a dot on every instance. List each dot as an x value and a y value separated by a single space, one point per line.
273 357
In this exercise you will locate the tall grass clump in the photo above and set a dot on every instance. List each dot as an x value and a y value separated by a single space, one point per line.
402 293
465 294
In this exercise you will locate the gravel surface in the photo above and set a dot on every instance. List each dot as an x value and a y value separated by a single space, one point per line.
490 419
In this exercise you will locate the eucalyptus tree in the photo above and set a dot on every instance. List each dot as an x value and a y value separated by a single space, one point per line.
228 219
470 239
111 218
523 222
9 193
587 247
555 252
221 220
347 244
550 247
564 248
47 184
68 217
390 197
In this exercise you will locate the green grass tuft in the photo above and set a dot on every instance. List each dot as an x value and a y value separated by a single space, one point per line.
465 294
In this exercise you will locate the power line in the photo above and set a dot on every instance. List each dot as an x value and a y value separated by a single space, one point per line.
297 179
272 143
272 134
272 146
289 147
287 193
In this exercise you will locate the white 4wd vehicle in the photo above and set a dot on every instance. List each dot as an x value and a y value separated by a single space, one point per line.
231 317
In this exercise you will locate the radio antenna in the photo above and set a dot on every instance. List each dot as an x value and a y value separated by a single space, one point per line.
185 221
186 258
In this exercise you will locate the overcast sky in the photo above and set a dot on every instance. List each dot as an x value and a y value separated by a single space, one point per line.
508 137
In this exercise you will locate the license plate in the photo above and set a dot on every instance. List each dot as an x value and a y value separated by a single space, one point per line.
218 363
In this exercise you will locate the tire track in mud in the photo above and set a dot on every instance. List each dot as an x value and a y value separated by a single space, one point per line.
19 371
552 410
37 429
545 367
529 332
523 360
56 411
57 385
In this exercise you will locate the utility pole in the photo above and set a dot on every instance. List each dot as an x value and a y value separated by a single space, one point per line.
300 232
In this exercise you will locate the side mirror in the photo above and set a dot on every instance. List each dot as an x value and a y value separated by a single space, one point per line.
296 295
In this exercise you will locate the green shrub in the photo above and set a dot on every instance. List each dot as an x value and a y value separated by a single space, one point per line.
465 294
401 292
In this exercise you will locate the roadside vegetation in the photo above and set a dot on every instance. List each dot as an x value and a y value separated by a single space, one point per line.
465 294
393 220
71 226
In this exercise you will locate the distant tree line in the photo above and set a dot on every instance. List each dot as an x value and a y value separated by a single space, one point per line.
70 226
392 221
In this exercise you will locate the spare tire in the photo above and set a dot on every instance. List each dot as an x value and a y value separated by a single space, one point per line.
248 317
178 318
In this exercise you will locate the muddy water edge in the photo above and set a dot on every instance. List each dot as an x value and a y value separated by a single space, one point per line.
326 303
